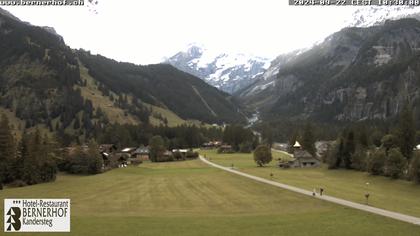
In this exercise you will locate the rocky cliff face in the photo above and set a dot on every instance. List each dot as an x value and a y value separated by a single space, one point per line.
355 74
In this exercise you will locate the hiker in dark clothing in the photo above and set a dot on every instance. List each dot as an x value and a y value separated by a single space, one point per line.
321 190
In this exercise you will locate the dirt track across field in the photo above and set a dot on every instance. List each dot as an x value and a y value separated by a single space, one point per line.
374 210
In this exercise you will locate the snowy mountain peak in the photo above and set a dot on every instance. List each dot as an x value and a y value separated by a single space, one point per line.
376 15
226 71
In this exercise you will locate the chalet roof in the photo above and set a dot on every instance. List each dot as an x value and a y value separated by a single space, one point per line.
303 155
212 143
297 145
142 150
180 150
129 149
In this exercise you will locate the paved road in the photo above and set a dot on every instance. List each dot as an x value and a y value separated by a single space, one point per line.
374 210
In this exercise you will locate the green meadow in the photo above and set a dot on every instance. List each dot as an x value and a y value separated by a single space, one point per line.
191 198
395 195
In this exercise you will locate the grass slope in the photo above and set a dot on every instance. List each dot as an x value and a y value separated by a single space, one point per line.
395 195
91 92
173 119
190 198
116 114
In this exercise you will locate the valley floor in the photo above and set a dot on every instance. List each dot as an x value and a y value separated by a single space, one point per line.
191 198
394 195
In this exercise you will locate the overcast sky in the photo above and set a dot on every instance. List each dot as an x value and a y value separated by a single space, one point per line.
146 31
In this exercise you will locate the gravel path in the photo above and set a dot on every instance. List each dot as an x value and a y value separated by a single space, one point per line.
374 210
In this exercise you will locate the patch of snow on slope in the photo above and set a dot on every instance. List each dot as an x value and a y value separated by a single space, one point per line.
369 16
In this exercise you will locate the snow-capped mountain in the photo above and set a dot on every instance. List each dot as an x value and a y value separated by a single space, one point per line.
268 78
229 72
376 15
356 74
362 17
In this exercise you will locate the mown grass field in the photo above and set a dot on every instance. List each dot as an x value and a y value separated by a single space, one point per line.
395 195
190 198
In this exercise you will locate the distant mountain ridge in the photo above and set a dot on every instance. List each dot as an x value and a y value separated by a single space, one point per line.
228 72
355 74
45 83
363 17
376 15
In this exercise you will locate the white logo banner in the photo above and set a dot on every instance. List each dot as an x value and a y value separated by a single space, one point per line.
36 215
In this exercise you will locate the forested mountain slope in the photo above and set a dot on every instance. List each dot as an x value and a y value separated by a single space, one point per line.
45 83
355 74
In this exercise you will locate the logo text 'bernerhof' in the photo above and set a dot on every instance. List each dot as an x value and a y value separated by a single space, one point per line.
36 215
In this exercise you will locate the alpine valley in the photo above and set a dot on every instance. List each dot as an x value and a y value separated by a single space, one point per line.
45 83
359 73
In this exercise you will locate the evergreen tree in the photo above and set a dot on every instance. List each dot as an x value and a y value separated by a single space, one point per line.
87 123
37 155
389 141
363 137
48 166
7 150
76 124
22 154
406 131
334 155
417 137
157 148
376 137
88 107
31 173
349 149
415 168
267 135
308 139
340 153
236 134
95 159
291 141
50 126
